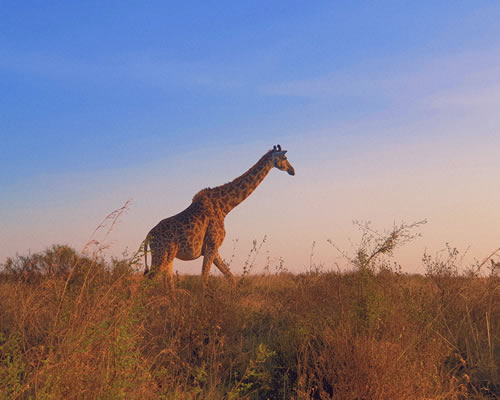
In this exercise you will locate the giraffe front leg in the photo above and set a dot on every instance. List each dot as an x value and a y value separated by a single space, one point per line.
224 269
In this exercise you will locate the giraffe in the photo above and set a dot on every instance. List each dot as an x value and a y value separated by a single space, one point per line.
199 229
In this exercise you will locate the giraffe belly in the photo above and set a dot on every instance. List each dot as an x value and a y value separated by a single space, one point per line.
189 251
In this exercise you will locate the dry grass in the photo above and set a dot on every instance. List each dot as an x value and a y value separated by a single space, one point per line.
74 326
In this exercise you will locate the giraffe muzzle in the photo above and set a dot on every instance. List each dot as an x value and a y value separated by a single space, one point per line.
290 171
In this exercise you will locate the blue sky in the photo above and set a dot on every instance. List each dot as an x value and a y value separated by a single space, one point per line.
388 110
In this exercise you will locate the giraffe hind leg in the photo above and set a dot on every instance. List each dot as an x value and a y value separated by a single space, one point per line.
168 266
166 263
156 262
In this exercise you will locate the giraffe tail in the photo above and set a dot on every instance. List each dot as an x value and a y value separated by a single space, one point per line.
146 242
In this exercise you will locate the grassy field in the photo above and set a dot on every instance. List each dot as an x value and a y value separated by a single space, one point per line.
74 326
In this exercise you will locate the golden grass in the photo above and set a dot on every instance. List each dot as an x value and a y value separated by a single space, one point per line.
75 326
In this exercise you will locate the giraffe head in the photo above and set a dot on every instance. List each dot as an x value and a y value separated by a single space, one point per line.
280 161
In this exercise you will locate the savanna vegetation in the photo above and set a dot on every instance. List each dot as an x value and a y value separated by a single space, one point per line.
73 325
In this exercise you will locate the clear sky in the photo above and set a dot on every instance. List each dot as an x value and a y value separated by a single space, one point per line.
389 111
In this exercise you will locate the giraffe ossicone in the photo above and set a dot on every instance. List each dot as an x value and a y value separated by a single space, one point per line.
199 229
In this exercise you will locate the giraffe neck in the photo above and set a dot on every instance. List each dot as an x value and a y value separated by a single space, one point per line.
233 193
